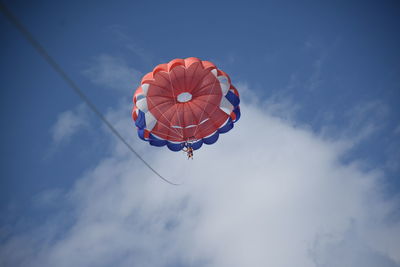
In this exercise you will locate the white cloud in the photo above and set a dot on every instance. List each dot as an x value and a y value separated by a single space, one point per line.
367 118
349 250
268 193
114 73
69 123
357 124
279 104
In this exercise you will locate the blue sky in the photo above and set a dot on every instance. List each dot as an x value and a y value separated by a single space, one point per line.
325 74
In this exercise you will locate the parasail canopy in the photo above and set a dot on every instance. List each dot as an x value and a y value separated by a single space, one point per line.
185 101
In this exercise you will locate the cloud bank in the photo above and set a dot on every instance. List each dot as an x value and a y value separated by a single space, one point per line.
268 193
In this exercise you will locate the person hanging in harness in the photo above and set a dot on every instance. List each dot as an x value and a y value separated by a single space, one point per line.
188 149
